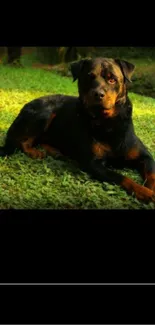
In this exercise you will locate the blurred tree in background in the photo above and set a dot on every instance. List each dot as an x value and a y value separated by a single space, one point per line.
55 55
63 55
14 55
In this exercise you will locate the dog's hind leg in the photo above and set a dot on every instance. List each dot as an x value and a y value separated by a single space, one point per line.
8 149
26 129
51 151
27 147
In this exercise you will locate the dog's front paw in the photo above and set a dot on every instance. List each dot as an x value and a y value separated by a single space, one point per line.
145 194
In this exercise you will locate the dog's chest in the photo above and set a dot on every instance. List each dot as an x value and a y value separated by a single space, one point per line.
108 143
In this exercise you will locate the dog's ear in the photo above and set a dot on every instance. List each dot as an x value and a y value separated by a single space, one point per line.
76 68
126 68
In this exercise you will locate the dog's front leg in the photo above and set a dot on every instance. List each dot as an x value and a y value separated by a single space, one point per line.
100 172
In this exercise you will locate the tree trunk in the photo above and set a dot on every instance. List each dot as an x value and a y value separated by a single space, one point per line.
14 54
71 54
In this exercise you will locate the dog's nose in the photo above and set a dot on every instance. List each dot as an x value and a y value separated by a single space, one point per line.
99 94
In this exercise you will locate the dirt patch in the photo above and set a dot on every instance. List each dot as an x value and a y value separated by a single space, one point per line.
42 66
28 50
48 67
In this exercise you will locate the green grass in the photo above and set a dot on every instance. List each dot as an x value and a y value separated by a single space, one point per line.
59 184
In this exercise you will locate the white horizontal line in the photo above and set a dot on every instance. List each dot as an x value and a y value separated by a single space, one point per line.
81 284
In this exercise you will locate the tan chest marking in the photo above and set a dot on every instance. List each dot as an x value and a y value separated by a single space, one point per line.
99 149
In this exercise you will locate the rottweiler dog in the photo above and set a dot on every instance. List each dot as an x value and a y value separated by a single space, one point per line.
95 129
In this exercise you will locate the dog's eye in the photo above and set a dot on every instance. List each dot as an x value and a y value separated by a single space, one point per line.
92 75
111 80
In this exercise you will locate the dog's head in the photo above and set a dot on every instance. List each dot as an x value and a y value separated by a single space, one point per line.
102 83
